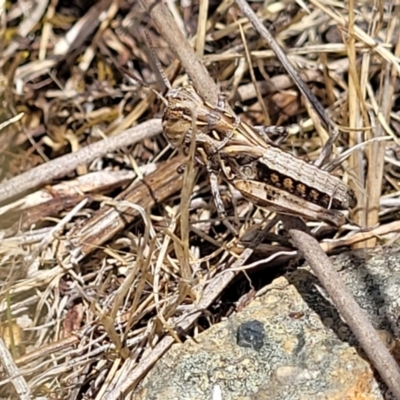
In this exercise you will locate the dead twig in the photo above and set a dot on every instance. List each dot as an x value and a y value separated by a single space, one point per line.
354 316
263 31
18 381
156 187
169 30
64 165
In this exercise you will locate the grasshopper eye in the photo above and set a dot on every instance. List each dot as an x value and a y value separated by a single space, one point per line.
180 170
248 171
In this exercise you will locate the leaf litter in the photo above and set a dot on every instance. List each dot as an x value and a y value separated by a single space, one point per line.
103 267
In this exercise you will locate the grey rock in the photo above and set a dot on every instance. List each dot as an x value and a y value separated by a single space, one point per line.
289 343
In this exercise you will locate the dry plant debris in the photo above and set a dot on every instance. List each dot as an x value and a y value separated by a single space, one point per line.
103 266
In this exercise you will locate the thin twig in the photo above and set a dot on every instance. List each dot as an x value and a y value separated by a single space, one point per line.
66 164
329 124
168 29
263 31
156 187
354 316
19 382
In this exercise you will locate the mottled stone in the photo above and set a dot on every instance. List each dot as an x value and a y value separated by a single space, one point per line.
294 345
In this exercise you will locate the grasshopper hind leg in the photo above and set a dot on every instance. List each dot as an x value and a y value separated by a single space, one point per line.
253 238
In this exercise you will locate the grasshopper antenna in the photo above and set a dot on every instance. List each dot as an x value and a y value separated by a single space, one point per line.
135 79
130 75
156 62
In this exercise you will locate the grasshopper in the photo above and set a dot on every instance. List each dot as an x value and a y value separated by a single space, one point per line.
248 160
262 172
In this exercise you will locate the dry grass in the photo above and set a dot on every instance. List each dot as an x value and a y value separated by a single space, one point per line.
103 266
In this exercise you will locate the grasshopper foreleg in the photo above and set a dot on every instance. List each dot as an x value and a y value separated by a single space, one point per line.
272 134
213 176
